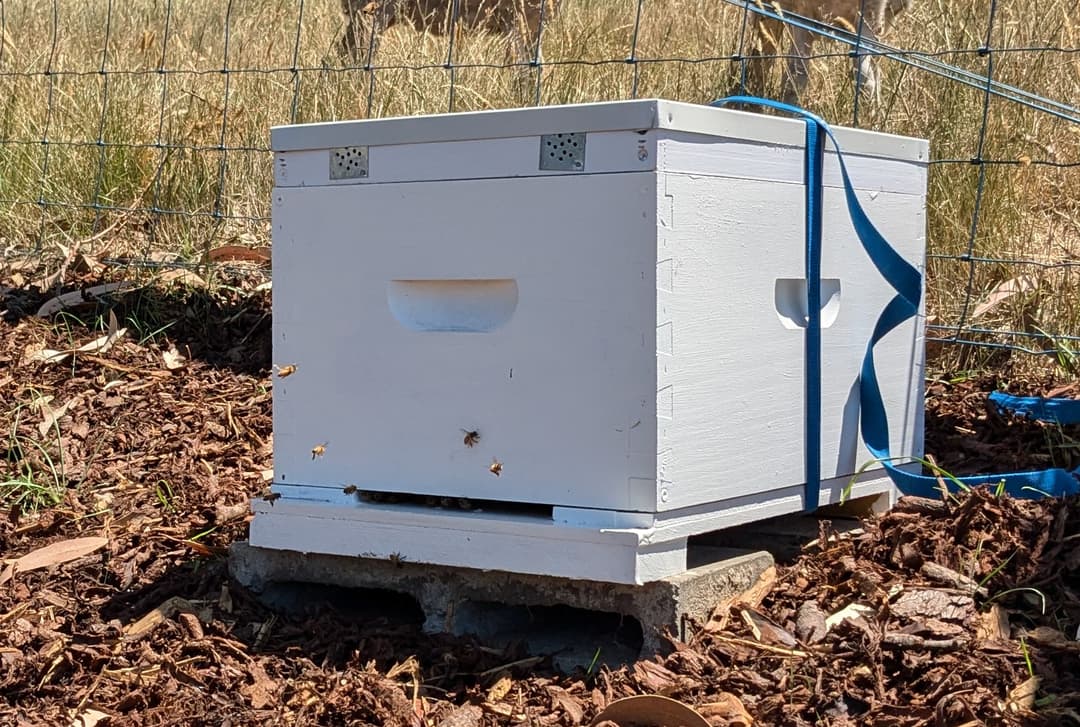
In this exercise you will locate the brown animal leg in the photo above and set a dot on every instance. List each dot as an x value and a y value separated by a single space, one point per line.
864 70
366 20
763 36
523 30
797 74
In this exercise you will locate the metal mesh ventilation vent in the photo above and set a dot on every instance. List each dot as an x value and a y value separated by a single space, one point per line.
562 152
349 162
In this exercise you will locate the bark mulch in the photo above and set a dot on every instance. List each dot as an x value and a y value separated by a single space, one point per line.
127 469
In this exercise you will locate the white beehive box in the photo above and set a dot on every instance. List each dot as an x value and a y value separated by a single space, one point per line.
612 295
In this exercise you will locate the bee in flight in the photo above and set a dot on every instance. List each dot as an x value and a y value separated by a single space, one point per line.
471 438
286 371
318 450
496 467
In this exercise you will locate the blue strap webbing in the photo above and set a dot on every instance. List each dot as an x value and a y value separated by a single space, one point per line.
815 194
906 280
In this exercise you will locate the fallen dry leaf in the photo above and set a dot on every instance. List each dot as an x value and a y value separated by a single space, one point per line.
1003 291
651 710
88 296
174 360
89 718
1022 698
181 276
53 554
850 612
100 344
232 253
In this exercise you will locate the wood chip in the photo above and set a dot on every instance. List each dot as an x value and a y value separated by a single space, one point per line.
500 688
191 624
468 715
912 641
810 623
560 699
150 621
994 624
751 597
949 577
932 603
765 630
726 710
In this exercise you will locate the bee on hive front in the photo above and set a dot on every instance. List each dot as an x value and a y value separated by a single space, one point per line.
350 489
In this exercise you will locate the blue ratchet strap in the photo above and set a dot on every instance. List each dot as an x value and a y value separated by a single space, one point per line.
906 280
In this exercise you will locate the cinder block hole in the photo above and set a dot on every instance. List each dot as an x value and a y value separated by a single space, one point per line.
306 600
574 637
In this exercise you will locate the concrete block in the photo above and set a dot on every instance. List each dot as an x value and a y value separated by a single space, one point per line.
464 600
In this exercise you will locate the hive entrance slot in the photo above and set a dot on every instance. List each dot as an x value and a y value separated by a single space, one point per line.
459 504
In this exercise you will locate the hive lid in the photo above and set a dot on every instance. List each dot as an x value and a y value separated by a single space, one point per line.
638 115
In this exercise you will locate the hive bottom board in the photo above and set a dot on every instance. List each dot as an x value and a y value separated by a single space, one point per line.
605 546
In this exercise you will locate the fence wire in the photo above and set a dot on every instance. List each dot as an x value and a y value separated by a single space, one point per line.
65 184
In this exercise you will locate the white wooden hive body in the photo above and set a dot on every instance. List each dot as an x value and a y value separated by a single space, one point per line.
617 312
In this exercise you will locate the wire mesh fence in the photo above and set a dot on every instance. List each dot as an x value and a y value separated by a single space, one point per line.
137 132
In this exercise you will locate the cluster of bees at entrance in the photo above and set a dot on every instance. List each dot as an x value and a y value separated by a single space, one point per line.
470 440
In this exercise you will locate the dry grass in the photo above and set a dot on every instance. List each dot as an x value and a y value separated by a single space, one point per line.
1031 212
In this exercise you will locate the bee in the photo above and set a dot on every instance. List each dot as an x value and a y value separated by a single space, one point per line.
272 497
496 467
396 558
350 489
471 438
318 450
286 371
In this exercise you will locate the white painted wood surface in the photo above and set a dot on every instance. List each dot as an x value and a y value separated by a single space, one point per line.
633 552
634 115
626 339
